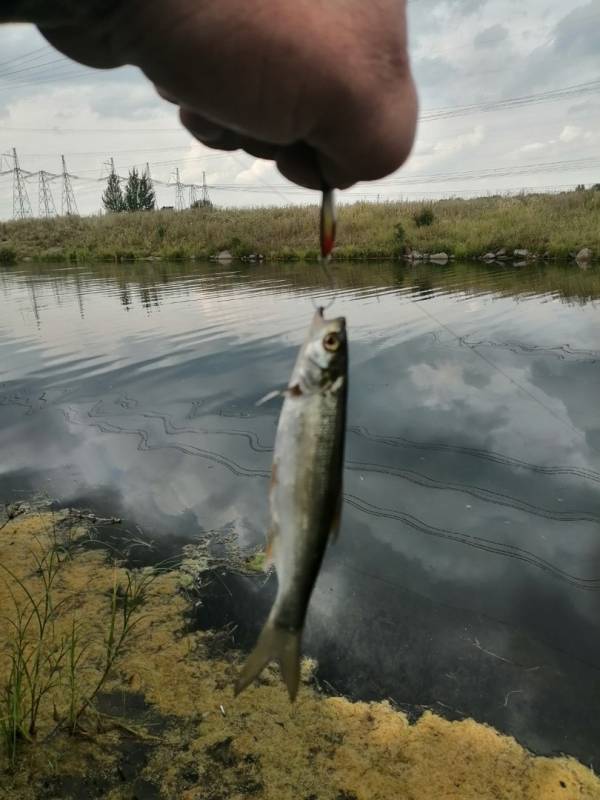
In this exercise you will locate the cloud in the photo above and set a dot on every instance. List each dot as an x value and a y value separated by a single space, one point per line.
432 71
577 33
570 133
533 147
133 100
464 52
491 37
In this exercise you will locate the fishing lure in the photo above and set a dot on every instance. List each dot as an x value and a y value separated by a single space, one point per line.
328 222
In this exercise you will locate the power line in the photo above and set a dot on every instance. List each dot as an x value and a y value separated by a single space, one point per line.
511 102
61 60
429 115
51 79
58 130
26 56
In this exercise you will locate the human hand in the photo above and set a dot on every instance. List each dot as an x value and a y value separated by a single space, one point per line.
322 87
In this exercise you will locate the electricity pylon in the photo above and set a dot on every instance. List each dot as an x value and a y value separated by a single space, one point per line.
179 199
193 196
45 199
205 197
21 204
68 205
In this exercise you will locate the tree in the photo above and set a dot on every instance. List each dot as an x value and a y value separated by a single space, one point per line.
146 196
139 193
113 196
202 204
132 191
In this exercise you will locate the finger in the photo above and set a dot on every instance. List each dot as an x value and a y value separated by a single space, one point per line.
296 162
202 128
220 138
383 144
166 95
300 164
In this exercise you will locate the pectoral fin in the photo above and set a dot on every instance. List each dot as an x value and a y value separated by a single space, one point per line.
272 536
269 396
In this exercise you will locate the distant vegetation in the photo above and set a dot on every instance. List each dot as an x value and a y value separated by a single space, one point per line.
138 195
555 225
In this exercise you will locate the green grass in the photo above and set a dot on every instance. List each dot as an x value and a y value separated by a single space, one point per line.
556 224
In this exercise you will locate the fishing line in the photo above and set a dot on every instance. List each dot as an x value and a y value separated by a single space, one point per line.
516 384
324 262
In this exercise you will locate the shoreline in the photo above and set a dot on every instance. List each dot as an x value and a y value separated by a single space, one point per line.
528 227
166 724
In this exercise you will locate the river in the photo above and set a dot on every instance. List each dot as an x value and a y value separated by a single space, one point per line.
466 577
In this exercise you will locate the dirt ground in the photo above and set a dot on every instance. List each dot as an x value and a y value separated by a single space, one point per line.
166 725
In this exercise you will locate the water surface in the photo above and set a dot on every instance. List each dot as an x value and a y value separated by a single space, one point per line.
466 577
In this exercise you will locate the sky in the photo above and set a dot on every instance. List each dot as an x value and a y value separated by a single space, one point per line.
509 94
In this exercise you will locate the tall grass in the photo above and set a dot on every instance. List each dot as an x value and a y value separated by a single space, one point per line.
53 665
36 653
556 224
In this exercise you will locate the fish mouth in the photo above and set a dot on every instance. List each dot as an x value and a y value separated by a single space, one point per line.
319 320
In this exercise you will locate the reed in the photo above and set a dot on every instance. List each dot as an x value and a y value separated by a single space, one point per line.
56 663
556 224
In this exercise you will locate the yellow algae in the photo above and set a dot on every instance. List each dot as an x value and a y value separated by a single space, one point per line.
207 745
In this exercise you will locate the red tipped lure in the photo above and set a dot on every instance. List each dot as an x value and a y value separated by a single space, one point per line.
328 222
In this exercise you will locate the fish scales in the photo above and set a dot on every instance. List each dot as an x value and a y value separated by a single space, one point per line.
306 491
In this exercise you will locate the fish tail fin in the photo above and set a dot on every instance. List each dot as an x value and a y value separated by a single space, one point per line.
274 643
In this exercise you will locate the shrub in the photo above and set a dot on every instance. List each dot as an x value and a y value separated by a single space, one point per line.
53 255
424 217
8 255
399 235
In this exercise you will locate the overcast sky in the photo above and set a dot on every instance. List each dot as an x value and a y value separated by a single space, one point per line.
464 53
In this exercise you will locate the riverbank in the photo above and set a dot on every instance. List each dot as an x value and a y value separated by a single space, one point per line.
164 723
553 226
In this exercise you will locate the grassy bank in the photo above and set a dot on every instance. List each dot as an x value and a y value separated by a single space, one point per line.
167 726
553 224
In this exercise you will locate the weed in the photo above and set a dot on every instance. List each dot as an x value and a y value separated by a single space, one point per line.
538 222
36 654
124 602
50 662
424 217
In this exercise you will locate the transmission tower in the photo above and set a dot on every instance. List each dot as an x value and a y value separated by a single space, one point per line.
45 199
193 196
68 206
205 197
179 201
21 204
147 171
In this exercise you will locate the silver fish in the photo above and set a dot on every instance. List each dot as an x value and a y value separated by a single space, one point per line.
306 492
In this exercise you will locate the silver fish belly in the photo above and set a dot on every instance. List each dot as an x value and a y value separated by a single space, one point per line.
306 492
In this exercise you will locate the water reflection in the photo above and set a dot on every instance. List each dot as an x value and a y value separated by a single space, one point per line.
467 577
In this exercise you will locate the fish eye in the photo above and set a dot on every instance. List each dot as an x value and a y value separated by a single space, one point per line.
331 342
